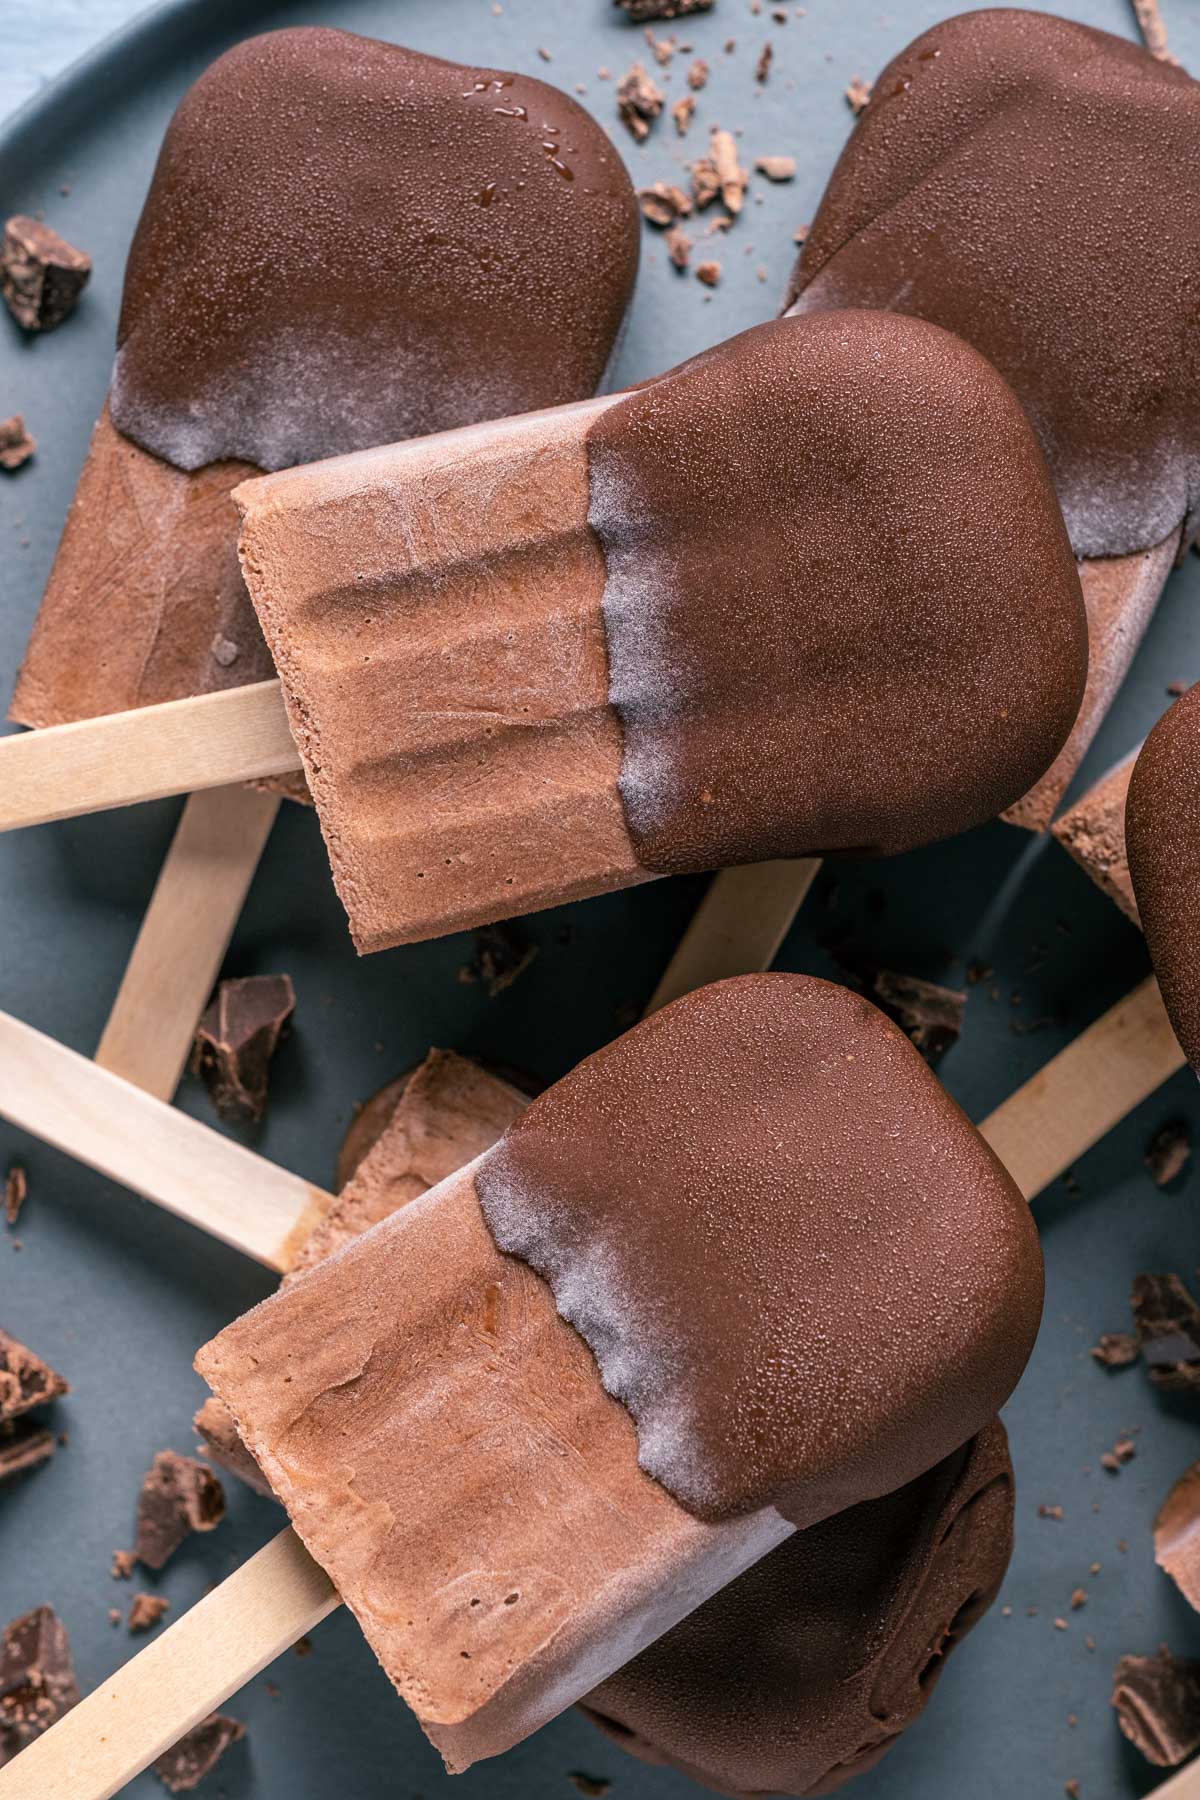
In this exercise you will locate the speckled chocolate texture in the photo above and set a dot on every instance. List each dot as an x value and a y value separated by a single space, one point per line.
347 243
819 637
1162 842
805 1670
1030 184
797 1263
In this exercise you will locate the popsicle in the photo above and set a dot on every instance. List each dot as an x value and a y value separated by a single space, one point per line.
1162 836
431 244
757 1142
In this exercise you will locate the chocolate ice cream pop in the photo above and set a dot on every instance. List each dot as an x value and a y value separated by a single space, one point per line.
1162 839
1029 183
855 1223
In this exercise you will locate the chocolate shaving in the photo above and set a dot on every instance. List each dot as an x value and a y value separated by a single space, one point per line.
41 275
146 1610
16 445
185 1765
639 102
24 1446
857 95
1157 1700
663 203
1169 1152
1177 1535
639 11
932 1016
16 1187
179 1495
25 1380
236 1039
1168 1329
1116 1349
501 954
37 1679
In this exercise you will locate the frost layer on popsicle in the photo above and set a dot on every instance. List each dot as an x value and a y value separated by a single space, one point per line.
446 1447
1162 838
763 606
344 243
1029 183
804 1671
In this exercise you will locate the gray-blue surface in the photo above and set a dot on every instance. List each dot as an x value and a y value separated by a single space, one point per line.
118 1295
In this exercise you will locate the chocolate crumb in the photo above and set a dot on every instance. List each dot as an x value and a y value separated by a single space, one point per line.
1072 1789
679 247
1177 1535
932 1016
1089 1643
709 273
502 953
800 235
663 203
762 67
776 168
1157 1701
639 11
24 1446
41 275
1154 32
1168 1328
1078 1598
639 102
303 1646
662 49
179 1495
123 1563
25 1380
146 1610
1124 1449
16 445
224 651
197 1755
589 1784
544 53
236 1039
1111 1463
1116 1349
1050 1512
1061 1625
697 75
1169 1152
37 1679
683 113
16 1188
858 94
114 1615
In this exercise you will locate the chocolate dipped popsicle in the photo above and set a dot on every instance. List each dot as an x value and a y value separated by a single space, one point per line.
344 243
1162 838
763 606
1029 183
758 1144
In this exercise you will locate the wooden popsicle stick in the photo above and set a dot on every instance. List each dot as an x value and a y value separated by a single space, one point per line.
1084 1091
738 926
184 936
1184 1785
68 1101
240 734
176 1681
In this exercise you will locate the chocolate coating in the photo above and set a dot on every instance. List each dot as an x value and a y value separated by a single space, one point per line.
797 1263
806 1669
819 635
1162 842
347 243
1031 184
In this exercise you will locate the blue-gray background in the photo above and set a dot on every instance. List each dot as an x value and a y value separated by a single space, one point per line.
118 1295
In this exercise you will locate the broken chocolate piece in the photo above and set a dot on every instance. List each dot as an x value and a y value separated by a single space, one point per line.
501 954
179 1495
37 1679
662 204
16 1187
16 445
25 1380
41 275
1116 1349
146 1610
1169 1152
639 102
932 1016
197 1755
236 1039
1168 1328
23 1446
214 1424
639 11
1157 1700
1177 1535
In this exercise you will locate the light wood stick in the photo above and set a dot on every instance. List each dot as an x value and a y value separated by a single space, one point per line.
184 936
159 1152
738 926
176 1681
240 734
1184 1785
1085 1090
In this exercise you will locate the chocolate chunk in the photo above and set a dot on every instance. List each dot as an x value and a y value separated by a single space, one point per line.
16 1187
237 1038
16 445
178 1495
145 1611
931 1015
662 204
25 1380
1157 1699
639 11
41 275
639 102
1169 1152
1177 1535
1168 1328
501 954
1116 1349
37 1679
23 1446
197 1755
